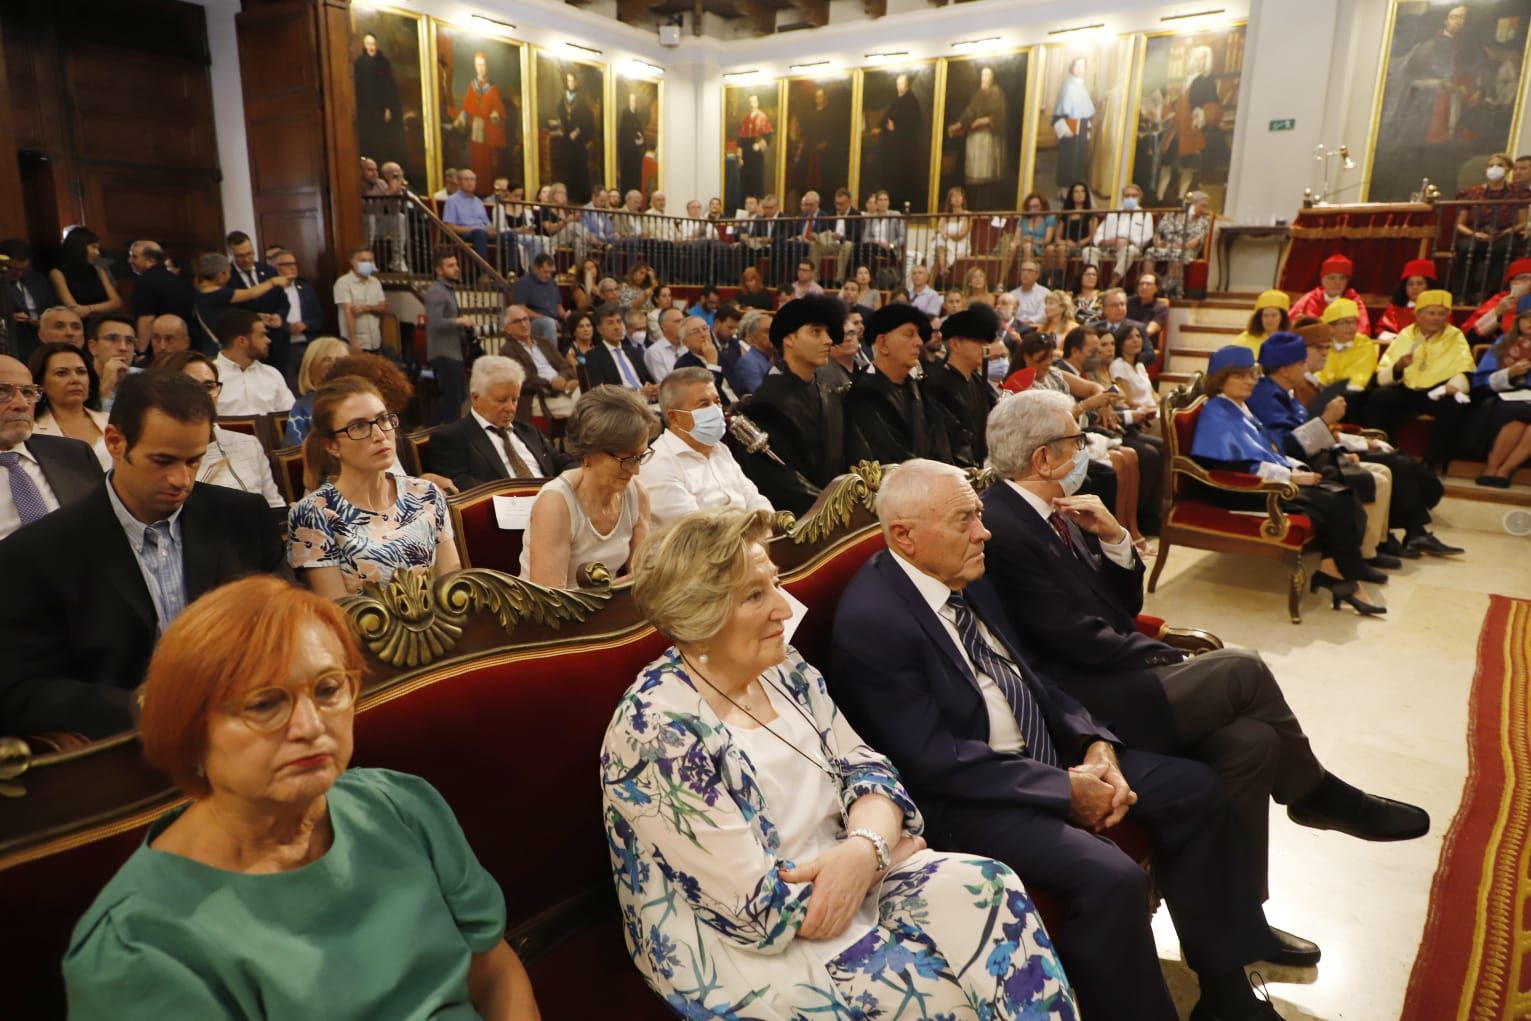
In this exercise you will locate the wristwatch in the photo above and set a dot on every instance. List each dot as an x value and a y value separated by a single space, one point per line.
879 845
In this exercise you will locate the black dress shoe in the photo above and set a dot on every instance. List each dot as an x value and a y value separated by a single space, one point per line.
1393 548
1372 576
1425 542
1335 805
1261 1011
1293 951
1385 561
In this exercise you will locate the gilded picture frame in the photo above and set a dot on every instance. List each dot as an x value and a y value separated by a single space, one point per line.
816 155
889 153
1092 103
570 137
752 167
993 174
636 105
480 108
395 115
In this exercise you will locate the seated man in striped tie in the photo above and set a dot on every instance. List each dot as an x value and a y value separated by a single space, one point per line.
38 474
1004 764
490 443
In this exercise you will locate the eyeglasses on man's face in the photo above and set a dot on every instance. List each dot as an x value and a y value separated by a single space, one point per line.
627 462
268 709
362 429
212 386
29 393
1074 441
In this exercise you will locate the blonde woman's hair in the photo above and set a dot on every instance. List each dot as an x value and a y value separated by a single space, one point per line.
318 350
688 573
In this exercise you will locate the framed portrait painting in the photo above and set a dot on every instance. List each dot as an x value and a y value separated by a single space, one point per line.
480 105
751 142
982 128
817 153
895 118
1449 94
635 133
1187 111
1081 110
387 58
570 117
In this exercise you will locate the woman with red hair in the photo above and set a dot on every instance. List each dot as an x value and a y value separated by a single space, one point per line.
288 886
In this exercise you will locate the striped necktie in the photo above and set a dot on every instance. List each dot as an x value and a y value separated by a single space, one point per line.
24 493
1028 714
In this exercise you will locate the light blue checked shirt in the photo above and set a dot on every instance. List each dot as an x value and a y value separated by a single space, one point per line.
158 550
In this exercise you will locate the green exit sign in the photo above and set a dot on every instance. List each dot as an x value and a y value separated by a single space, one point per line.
1284 125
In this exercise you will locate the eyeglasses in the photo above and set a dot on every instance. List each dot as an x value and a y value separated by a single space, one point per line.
212 386
268 709
631 461
1078 438
30 394
363 430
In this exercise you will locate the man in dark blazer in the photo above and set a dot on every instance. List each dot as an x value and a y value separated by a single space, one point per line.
30 296
527 348
1072 584
38 474
1005 764
603 367
246 270
89 588
310 321
490 442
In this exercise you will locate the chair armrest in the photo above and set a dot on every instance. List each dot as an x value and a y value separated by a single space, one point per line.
1152 627
1275 525
1192 641
1371 434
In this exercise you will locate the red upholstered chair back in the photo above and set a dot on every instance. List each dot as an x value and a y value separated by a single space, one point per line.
985 235
415 446
1178 439
820 589
247 424
287 470
481 542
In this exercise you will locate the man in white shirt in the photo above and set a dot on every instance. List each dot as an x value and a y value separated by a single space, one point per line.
921 295
1030 297
659 359
250 386
38 474
692 468
359 297
1122 236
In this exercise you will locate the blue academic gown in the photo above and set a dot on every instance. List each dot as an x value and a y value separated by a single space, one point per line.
1229 438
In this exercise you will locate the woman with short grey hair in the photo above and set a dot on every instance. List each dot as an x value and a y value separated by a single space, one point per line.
214 293
598 512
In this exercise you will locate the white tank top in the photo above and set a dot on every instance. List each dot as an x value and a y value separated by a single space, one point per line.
586 545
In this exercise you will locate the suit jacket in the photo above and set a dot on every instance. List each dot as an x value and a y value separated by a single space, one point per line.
535 384
69 465
464 452
773 228
1080 619
906 688
309 307
41 292
854 226
882 429
274 300
76 619
602 368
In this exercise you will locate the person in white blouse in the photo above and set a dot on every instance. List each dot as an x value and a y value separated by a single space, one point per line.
1130 374
250 386
233 459
1122 236
692 468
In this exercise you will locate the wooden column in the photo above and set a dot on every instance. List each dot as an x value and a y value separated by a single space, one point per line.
13 216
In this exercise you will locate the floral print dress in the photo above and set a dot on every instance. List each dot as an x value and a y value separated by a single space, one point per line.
326 530
696 855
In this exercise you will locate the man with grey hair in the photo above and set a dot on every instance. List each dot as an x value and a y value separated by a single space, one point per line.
168 335
1122 236
1067 572
62 325
747 361
701 352
692 468
490 443
927 667
660 357
548 374
157 291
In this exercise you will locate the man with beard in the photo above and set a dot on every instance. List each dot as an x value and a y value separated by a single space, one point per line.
379 119
630 145
572 127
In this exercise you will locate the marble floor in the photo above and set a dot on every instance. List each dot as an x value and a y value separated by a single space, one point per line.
1384 701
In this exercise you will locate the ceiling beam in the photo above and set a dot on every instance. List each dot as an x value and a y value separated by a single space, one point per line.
761 18
633 12
815 12
875 8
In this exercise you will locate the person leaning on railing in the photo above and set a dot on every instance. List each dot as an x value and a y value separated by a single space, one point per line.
328 871
1486 230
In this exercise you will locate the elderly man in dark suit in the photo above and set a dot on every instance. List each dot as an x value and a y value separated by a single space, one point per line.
1073 586
89 588
38 474
1005 764
490 442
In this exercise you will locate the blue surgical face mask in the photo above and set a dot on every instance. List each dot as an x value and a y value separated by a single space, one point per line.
1076 473
998 370
1130 202
707 425
365 269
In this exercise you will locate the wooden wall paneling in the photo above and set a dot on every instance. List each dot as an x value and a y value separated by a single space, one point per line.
140 111
40 72
180 211
338 100
23 102
13 219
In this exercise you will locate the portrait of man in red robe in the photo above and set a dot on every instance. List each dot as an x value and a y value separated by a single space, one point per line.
482 114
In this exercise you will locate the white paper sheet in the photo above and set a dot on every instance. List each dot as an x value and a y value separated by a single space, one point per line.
799 611
513 513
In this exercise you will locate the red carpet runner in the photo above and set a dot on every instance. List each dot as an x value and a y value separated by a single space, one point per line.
1475 961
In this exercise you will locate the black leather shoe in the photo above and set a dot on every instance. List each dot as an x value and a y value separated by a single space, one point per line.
1384 560
1293 951
1372 576
1335 805
1261 1011
1393 548
1425 542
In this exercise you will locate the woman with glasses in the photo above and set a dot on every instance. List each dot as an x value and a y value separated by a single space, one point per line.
597 513
289 886
68 382
235 460
366 520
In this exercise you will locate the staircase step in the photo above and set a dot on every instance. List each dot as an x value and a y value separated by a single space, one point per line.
1212 328
1518 495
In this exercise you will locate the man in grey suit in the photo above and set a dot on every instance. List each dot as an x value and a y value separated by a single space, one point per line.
548 373
38 474
443 338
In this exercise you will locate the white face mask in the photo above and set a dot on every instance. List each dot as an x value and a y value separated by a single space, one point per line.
1495 173
707 425
1130 202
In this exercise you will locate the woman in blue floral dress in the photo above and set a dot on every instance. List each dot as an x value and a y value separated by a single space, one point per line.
768 863
364 522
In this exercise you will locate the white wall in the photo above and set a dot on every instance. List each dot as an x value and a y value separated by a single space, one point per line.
229 115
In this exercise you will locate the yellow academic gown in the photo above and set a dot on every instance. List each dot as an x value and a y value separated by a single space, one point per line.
1356 364
1443 358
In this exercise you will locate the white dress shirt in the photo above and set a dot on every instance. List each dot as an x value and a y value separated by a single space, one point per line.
680 480
660 358
1004 732
520 448
257 390
238 461
10 517
1120 553
294 304
1134 228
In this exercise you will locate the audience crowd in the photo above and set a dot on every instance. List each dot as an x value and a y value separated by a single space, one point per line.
840 839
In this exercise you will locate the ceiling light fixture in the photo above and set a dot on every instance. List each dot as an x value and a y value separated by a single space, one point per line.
1078 28
737 75
973 44
889 55
1197 14
583 49
808 66
496 22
